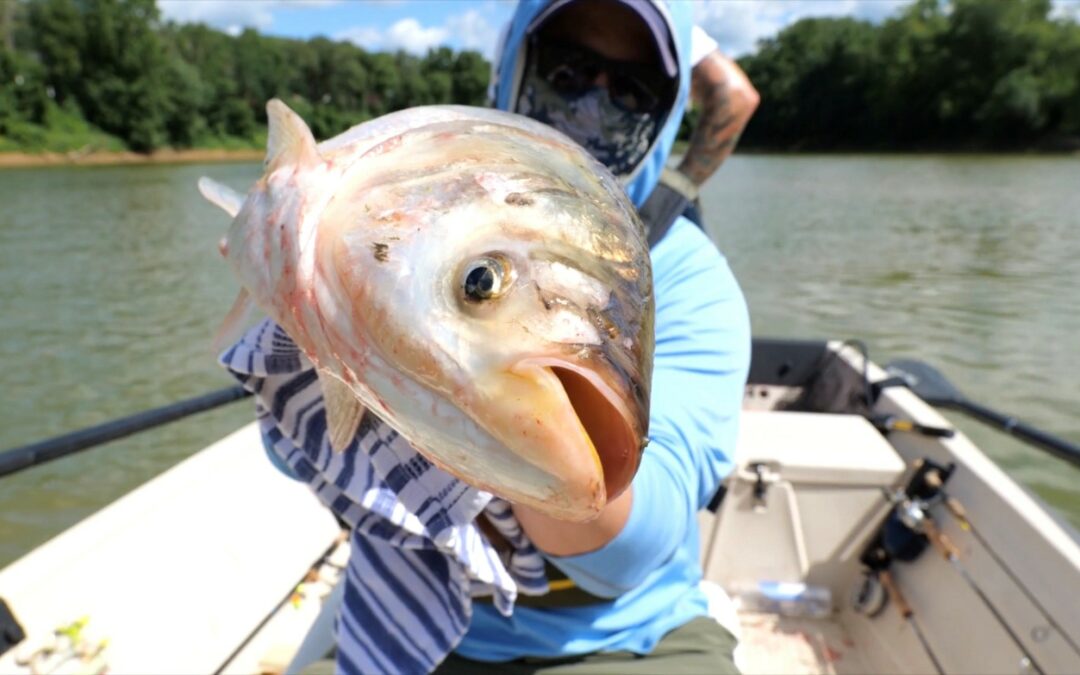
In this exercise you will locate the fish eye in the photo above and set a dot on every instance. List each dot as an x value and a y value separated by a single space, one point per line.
486 278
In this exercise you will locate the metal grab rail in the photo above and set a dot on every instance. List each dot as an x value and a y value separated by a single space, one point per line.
36 454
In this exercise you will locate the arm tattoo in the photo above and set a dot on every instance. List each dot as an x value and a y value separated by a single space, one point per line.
727 101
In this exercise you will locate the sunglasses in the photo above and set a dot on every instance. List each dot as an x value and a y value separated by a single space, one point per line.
572 70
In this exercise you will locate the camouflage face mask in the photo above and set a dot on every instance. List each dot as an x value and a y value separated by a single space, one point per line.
617 138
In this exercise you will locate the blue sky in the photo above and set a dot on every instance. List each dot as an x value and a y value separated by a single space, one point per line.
417 25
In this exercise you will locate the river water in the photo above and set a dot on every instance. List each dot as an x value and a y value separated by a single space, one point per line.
112 289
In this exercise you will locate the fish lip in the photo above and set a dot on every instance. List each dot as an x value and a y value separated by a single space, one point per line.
618 448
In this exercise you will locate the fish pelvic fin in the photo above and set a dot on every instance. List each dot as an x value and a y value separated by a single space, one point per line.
289 141
343 411
222 196
232 327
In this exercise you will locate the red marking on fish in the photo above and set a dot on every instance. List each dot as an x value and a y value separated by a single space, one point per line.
385 147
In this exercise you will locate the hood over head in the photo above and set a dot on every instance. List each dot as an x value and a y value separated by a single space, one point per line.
509 73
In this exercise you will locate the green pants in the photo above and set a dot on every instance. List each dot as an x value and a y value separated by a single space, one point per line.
698 648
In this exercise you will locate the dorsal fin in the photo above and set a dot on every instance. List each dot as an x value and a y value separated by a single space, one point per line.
289 141
222 196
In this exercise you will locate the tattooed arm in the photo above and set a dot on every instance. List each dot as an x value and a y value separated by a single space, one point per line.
727 101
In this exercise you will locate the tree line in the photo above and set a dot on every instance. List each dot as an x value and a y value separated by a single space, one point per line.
116 65
939 74
956 74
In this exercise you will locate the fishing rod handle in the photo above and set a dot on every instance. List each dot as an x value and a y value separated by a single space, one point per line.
35 454
894 593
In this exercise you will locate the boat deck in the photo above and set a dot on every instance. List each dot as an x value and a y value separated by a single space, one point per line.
796 646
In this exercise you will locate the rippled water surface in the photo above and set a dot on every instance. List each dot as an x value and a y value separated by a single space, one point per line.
969 263
112 288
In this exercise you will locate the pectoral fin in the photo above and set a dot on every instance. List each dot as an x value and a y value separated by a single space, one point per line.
343 411
233 326
222 196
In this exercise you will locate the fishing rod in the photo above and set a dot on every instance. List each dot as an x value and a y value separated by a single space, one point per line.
908 530
931 386
35 454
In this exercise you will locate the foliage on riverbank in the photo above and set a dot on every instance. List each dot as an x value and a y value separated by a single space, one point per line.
101 75
60 130
952 75
114 68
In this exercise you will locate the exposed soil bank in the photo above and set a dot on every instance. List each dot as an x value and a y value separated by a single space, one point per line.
26 159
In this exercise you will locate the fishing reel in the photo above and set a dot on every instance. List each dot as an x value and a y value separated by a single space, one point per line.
909 529
905 535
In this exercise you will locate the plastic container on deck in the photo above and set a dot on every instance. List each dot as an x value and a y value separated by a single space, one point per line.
794 599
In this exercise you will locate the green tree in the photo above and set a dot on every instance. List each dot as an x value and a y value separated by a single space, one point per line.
332 76
988 48
7 25
122 88
956 73
385 83
22 92
1059 55
469 76
184 122
438 68
58 40
906 95
815 78
261 70
413 87
210 54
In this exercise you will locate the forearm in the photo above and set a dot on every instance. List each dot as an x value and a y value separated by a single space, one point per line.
561 538
727 100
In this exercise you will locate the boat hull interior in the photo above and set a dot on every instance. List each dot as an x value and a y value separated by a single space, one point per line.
846 540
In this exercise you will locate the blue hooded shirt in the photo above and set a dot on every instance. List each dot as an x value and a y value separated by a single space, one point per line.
651 569
510 66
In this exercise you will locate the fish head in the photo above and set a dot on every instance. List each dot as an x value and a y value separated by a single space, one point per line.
482 284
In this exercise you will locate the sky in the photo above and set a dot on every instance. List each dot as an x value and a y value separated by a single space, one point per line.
417 25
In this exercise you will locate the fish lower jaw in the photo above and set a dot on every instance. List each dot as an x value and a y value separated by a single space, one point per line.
580 507
610 433
596 413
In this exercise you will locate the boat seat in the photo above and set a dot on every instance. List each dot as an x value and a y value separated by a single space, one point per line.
807 489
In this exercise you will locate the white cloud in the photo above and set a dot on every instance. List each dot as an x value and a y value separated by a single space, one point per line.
406 34
466 31
225 14
473 32
409 35
231 16
364 36
738 24
1066 9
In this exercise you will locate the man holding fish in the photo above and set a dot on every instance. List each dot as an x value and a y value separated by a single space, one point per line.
472 286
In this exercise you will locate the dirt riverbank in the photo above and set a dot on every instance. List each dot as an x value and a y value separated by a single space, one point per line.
26 159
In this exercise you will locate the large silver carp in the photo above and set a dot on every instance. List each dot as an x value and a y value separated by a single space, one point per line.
472 277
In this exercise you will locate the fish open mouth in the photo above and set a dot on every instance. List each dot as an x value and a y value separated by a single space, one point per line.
605 421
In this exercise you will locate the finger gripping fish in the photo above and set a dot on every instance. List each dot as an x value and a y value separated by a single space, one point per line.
470 276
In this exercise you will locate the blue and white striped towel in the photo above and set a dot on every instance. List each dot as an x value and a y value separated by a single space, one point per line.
417 556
